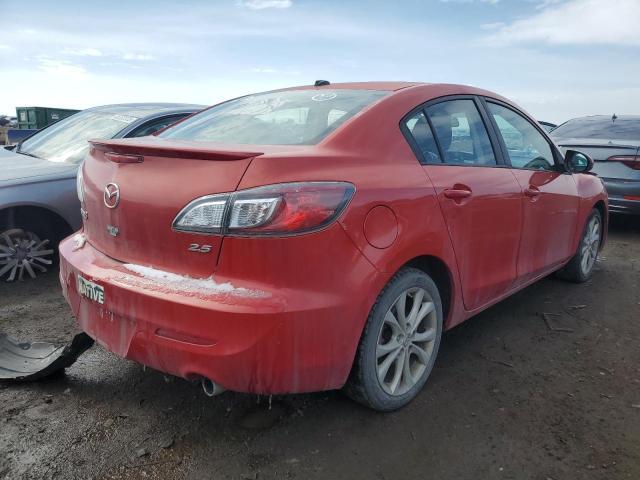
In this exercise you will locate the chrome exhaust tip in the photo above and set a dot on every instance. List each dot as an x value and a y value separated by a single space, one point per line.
211 388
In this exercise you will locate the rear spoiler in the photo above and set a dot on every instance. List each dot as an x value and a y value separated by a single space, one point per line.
134 152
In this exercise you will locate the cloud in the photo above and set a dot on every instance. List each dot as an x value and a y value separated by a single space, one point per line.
264 70
272 70
575 22
490 2
560 104
492 26
232 49
83 52
138 56
545 3
262 4
61 68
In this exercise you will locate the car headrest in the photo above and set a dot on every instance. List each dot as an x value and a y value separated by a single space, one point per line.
443 124
422 134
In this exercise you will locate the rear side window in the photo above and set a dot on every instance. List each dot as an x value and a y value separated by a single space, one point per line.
461 133
422 135
290 117
527 147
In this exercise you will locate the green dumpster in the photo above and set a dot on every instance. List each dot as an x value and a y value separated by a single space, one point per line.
39 117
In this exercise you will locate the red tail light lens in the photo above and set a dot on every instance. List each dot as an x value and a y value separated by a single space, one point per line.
288 208
631 161
282 209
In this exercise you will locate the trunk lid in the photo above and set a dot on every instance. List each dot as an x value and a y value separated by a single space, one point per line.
156 178
600 151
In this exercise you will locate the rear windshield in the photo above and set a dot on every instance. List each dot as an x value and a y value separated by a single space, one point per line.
599 127
292 117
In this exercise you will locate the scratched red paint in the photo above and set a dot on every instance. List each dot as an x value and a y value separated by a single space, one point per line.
299 332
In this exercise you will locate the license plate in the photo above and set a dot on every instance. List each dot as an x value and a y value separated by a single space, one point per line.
91 290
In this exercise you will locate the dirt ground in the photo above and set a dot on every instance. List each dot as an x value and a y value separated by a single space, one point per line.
508 399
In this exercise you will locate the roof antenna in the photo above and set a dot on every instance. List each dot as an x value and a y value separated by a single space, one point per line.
614 118
321 83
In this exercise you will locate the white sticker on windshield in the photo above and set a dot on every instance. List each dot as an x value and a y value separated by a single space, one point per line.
123 118
323 97
258 106
251 109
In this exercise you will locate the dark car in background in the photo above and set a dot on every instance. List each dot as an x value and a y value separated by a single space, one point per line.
38 200
614 144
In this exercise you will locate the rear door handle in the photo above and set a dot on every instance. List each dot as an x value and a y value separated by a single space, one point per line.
532 192
457 193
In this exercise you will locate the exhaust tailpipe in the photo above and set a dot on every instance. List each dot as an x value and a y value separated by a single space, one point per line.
211 388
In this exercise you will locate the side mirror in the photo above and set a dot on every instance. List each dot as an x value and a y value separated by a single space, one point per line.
577 162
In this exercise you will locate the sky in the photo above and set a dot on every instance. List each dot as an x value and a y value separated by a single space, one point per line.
558 59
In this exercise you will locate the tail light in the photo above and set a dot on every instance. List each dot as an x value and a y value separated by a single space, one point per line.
631 161
282 209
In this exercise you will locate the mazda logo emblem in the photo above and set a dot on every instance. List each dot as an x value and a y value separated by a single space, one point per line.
111 195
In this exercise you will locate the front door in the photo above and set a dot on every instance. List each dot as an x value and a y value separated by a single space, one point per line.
550 197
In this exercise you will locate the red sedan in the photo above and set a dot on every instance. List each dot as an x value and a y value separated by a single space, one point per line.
323 236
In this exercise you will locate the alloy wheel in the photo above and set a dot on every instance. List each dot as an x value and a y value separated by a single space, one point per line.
406 341
590 245
22 251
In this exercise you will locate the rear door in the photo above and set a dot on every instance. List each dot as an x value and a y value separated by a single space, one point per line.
479 197
550 196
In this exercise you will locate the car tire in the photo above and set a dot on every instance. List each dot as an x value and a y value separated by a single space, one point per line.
374 380
580 267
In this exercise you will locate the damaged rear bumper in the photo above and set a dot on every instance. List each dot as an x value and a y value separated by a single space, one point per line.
248 338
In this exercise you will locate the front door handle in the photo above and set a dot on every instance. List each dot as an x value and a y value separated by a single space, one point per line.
532 192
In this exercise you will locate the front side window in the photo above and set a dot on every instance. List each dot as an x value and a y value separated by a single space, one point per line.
526 146
289 117
419 128
461 133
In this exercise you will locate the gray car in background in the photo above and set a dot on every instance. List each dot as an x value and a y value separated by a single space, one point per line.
614 144
39 204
